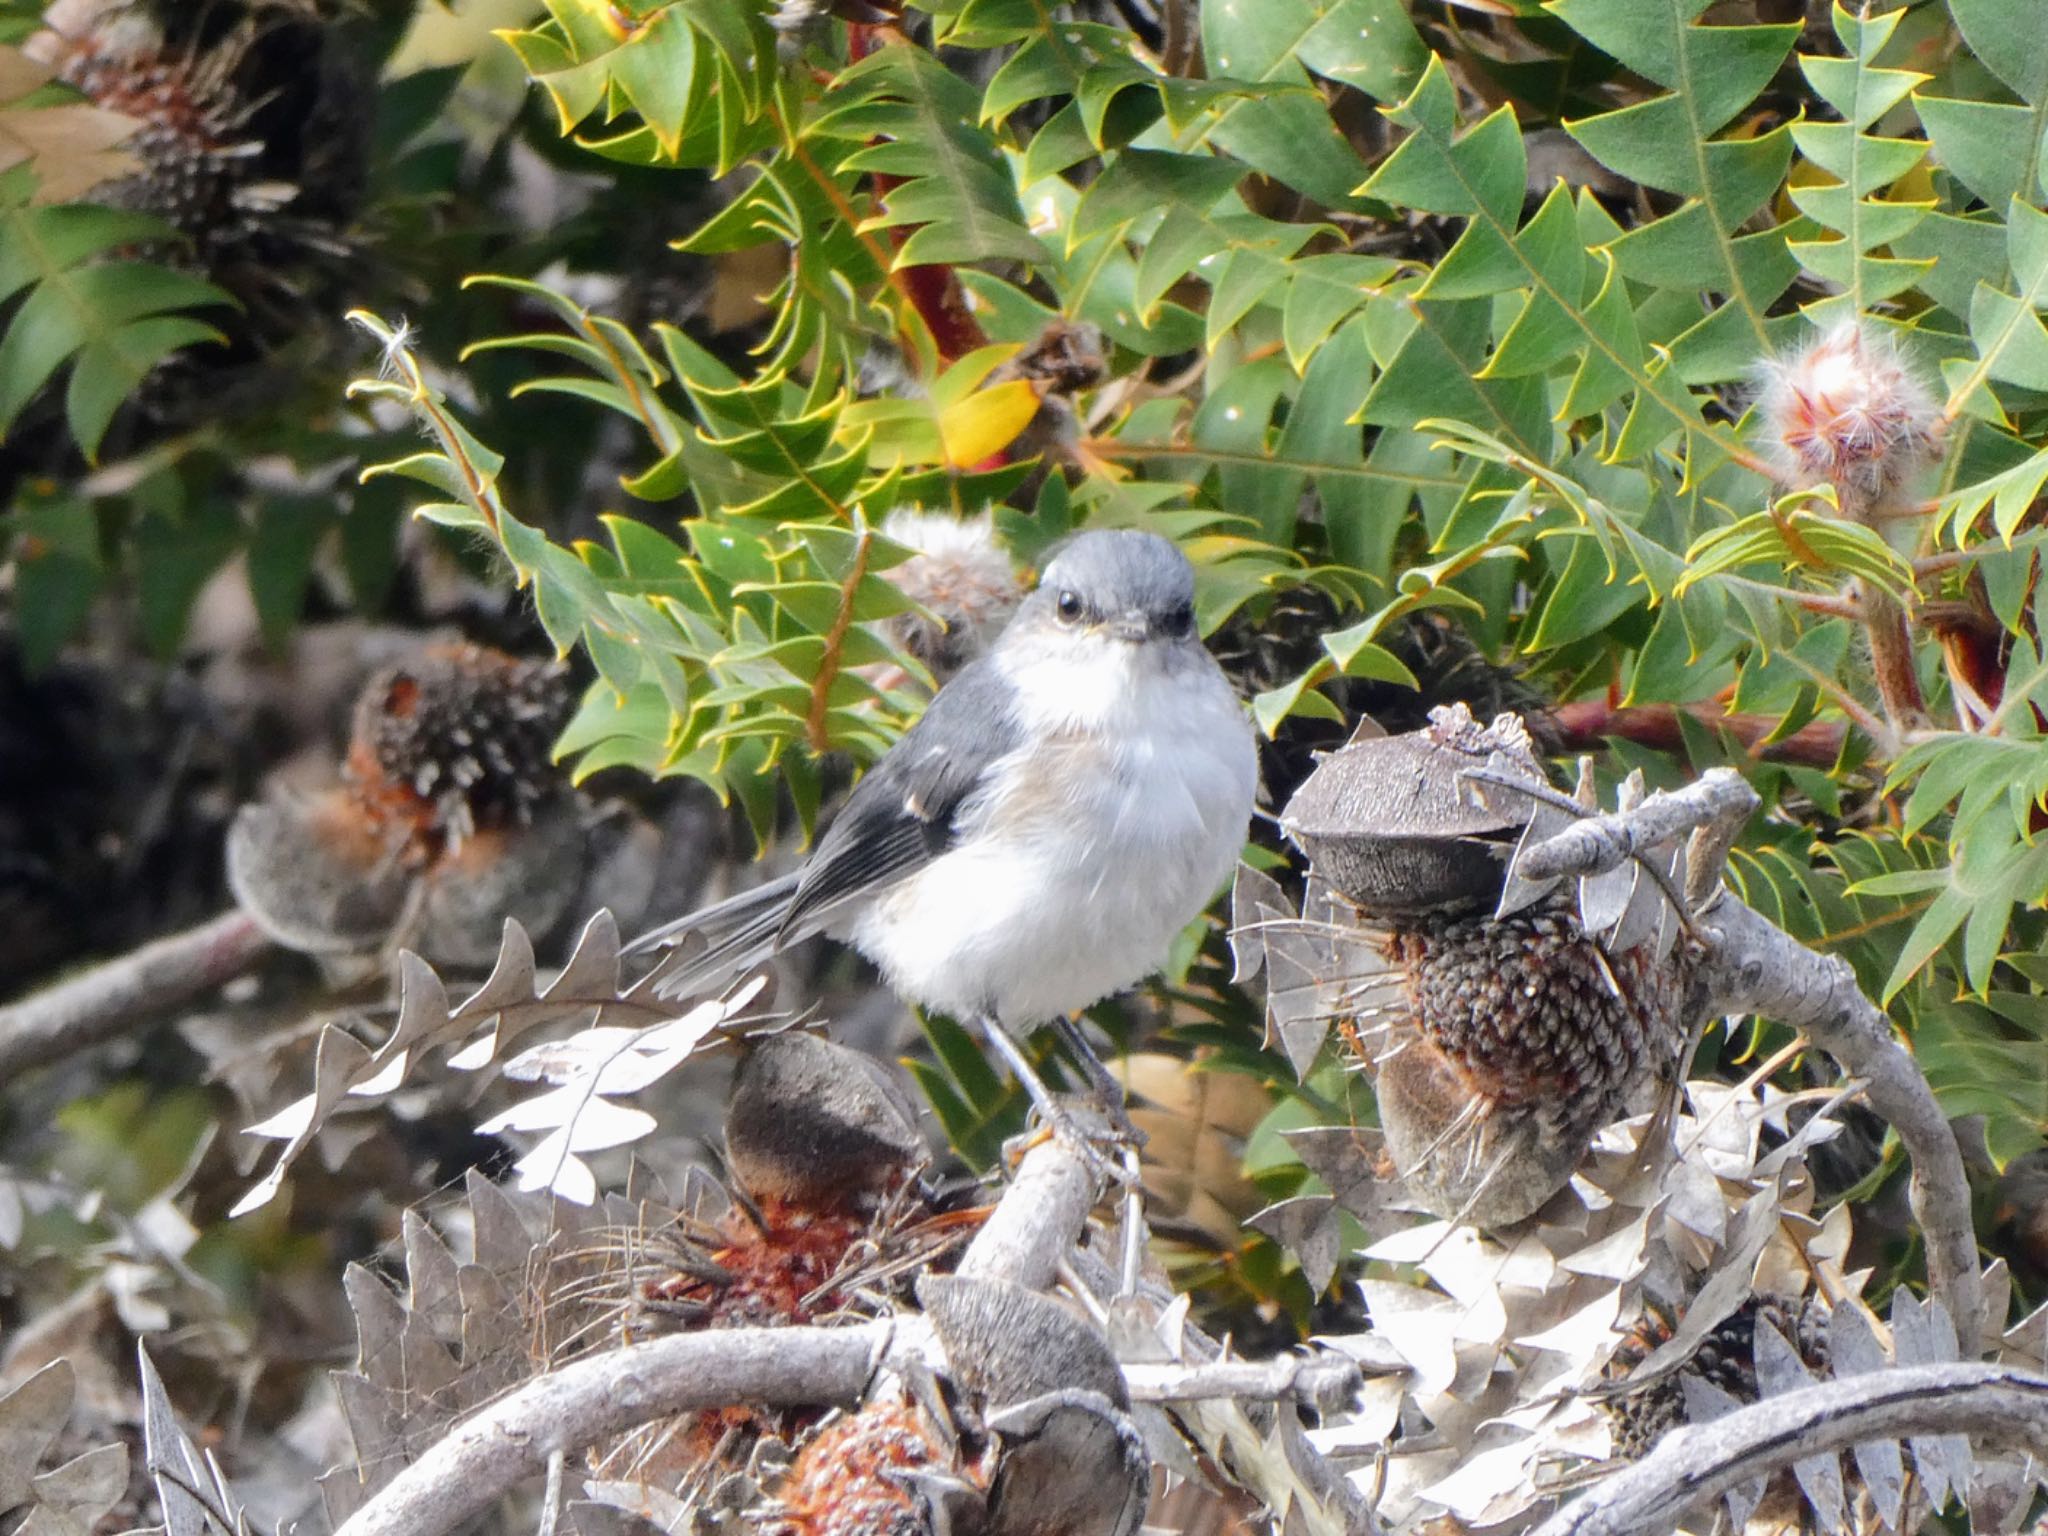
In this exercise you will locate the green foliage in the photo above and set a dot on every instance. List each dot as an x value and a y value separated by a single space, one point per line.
1397 365
85 308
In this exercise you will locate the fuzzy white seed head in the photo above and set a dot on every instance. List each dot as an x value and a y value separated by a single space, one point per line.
962 574
109 29
1846 409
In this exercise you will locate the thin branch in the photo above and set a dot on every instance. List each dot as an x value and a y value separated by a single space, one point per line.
1696 1464
835 645
1599 843
1321 1381
1038 1220
1754 966
122 995
1584 722
464 1473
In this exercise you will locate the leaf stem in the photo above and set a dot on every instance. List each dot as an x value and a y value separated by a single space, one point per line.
835 644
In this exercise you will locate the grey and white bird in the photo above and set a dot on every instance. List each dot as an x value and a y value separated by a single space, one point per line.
1066 805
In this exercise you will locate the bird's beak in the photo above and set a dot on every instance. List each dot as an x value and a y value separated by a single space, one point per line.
1130 626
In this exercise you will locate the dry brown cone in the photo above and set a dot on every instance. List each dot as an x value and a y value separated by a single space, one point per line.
450 816
827 1221
1726 1359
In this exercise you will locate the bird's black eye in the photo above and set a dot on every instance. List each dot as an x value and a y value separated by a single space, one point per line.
1178 622
1069 607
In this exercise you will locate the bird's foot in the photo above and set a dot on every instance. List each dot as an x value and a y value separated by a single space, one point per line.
1109 1153
1098 1128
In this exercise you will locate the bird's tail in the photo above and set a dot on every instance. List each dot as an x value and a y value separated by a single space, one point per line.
716 943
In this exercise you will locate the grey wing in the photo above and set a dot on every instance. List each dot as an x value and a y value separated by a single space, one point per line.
731 937
905 813
898 818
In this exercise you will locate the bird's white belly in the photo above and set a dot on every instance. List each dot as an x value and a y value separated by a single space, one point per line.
1075 871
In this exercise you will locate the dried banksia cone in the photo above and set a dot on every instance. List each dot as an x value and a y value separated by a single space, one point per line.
961 576
823 1149
1725 1360
456 742
826 1214
1045 1382
450 817
1506 1043
1847 410
250 144
887 1470
1499 1040
813 1123
253 146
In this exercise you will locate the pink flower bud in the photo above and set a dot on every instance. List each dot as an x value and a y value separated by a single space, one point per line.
1847 410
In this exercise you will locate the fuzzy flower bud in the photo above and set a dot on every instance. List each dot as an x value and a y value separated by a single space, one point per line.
1846 409
962 575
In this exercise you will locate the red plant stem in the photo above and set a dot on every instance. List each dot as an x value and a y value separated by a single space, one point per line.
1891 656
816 725
1584 723
933 290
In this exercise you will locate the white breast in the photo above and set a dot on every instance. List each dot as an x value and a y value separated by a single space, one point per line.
1088 852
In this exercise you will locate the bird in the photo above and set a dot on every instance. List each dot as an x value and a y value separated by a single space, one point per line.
1067 804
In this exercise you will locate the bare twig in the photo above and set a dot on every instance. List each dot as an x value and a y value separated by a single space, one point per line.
1756 967
1600 843
121 995
464 1473
1753 966
1319 1381
1038 1220
1034 1227
1696 1464
1583 723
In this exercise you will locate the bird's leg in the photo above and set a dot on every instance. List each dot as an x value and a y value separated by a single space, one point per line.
1103 1148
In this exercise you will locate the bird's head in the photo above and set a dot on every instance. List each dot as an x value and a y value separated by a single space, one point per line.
1117 585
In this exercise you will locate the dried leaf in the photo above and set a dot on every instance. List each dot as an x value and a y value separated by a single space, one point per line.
1307 1227
73 1499
1704 1403
30 1418
1779 1369
1922 1334
511 1002
180 1473
1854 1350
71 147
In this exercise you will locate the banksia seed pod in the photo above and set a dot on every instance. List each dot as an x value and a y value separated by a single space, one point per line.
1499 1042
1047 1384
1500 1045
250 142
884 1471
961 575
1394 826
1726 1359
459 741
813 1122
447 780
823 1151
1847 410
197 157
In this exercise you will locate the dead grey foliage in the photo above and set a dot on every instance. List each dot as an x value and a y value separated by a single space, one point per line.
512 1002
66 1500
190 1484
